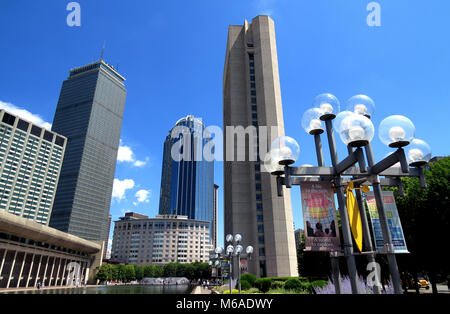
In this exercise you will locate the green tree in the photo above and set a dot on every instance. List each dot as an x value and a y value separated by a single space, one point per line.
426 220
104 273
170 270
130 273
139 272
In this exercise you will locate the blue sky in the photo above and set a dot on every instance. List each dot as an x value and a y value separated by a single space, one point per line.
172 54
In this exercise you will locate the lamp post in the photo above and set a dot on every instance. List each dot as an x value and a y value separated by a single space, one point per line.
232 251
356 131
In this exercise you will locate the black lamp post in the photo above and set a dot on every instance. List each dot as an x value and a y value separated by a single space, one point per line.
356 131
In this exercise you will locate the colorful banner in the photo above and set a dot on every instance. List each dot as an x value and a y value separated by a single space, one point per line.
244 266
214 272
319 216
393 219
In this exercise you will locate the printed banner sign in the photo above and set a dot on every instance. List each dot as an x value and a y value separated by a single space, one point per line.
244 266
214 272
393 219
319 216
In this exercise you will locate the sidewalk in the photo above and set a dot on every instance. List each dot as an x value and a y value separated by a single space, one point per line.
201 290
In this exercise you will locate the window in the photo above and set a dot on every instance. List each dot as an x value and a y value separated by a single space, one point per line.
262 251
261 239
23 125
9 119
259 206
252 78
251 57
254 101
260 218
48 136
252 85
35 130
253 93
260 228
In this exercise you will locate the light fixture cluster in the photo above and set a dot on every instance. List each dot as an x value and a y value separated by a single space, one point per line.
355 129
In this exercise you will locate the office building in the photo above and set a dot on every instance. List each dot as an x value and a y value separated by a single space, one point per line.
140 240
89 113
187 184
31 252
30 164
252 97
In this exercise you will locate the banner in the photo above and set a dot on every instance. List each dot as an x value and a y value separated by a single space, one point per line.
214 272
319 216
393 219
244 266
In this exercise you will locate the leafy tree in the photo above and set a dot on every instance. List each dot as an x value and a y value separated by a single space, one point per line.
139 271
104 273
130 273
170 270
426 221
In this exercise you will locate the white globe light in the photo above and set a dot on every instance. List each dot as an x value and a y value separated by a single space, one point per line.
219 250
326 108
249 249
360 109
311 122
356 133
418 153
239 249
397 133
238 238
230 249
356 130
285 150
217 263
271 165
328 105
415 154
229 238
315 124
362 105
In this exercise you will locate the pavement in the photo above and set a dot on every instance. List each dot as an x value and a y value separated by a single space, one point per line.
201 290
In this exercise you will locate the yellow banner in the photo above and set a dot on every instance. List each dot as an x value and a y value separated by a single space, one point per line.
354 217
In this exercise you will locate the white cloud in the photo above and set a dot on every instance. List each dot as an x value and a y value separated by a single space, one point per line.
126 154
120 188
143 196
25 114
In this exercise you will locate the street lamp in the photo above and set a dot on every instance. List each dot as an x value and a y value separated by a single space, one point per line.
356 130
361 104
396 131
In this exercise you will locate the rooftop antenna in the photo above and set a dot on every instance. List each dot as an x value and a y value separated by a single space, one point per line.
103 51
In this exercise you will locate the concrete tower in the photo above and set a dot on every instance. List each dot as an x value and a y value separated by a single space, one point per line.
252 97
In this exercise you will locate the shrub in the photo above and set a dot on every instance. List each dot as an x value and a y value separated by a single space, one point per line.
319 283
293 284
245 285
277 284
234 291
250 278
263 284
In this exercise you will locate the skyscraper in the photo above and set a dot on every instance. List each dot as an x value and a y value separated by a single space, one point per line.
89 113
187 184
30 163
252 97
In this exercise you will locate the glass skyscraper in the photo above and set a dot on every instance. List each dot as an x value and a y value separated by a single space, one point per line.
187 184
89 113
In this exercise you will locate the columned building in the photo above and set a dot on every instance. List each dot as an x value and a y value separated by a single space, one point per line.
31 253
252 97
89 113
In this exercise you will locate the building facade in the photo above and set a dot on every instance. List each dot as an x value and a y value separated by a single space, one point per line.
89 113
30 164
252 98
187 180
140 240
298 238
31 253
